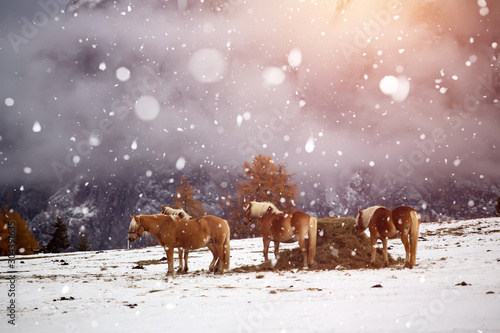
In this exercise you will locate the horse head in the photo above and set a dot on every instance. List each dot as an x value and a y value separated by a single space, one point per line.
136 228
248 214
359 221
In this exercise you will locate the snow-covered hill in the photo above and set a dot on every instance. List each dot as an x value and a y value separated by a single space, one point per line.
454 288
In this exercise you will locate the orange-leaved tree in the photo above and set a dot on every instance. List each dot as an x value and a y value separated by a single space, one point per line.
263 180
184 198
15 236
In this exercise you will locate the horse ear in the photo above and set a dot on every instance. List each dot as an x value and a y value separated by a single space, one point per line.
359 212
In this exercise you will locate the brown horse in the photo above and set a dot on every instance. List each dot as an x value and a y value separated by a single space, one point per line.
171 232
384 224
183 253
287 228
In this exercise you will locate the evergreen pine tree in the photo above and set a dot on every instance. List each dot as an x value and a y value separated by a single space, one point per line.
83 243
60 240
184 198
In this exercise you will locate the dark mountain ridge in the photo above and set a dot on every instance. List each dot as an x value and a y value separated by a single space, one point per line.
100 208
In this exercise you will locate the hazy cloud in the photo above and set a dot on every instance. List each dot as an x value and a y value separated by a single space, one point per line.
130 84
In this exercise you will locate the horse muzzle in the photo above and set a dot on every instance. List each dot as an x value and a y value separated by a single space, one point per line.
248 221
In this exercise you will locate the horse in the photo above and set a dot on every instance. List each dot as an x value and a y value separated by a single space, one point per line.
387 224
175 212
287 228
171 232
183 253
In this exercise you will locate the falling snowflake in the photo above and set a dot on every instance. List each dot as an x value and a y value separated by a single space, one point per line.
310 145
37 127
273 76
396 87
123 74
207 65
295 57
9 101
181 163
147 108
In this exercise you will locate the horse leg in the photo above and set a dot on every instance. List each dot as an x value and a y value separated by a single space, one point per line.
266 242
303 248
311 241
186 252
385 240
276 249
414 225
374 249
220 259
406 243
181 267
212 249
170 258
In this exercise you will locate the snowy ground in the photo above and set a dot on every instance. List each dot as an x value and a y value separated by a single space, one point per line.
101 292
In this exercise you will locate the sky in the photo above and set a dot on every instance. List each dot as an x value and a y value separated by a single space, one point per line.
405 91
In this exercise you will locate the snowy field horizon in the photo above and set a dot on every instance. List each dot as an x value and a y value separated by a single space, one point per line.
453 288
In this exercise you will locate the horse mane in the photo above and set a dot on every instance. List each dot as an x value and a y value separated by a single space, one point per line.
133 222
176 212
259 208
367 215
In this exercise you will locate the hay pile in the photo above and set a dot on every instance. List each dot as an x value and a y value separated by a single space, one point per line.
339 246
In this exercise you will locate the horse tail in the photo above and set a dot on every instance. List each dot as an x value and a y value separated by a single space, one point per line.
414 226
313 232
227 248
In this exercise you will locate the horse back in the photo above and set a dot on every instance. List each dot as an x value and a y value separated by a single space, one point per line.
195 233
277 227
300 220
214 226
380 214
401 217
382 224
